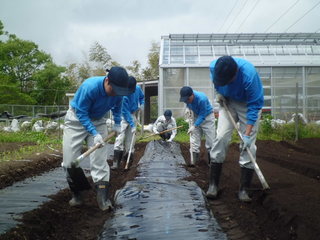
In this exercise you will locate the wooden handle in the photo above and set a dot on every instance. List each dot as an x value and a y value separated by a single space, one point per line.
253 160
168 130
95 147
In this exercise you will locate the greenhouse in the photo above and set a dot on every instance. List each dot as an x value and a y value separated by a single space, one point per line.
288 64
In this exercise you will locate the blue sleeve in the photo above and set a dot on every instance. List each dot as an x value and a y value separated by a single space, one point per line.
202 113
116 110
82 111
255 99
126 111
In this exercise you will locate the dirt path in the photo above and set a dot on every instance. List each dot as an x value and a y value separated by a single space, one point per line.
290 210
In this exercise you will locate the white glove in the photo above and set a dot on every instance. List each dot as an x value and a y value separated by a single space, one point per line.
98 140
116 128
156 132
246 142
191 129
133 130
141 107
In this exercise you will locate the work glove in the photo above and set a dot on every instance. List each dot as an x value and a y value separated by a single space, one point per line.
98 140
141 108
133 130
156 132
116 128
246 142
221 99
191 129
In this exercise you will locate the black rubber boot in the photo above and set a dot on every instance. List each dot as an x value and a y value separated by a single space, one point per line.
215 172
195 158
117 156
102 190
245 182
78 183
209 158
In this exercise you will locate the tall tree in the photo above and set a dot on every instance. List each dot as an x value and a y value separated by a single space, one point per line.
135 70
20 59
152 70
51 86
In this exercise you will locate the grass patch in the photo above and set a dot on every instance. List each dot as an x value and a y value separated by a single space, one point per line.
41 139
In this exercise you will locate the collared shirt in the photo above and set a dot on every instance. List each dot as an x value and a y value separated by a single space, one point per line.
200 106
247 87
92 102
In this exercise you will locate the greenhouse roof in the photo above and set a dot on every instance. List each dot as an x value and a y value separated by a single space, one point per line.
262 49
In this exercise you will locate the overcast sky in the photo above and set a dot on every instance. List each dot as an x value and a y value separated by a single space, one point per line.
67 28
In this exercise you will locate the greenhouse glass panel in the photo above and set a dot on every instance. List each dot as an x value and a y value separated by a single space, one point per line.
192 59
173 77
199 77
220 50
205 50
176 59
284 91
191 50
265 76
207 91
171 97
235 50
313 93
176 50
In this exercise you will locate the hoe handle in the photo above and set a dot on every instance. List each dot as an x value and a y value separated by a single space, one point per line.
92 149
253 160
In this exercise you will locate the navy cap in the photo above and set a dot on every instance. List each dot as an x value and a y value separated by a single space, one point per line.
167 113
185 93
132 84
224 71
119 80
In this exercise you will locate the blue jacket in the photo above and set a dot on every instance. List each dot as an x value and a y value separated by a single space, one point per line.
246 88
200 106
131 104
92 102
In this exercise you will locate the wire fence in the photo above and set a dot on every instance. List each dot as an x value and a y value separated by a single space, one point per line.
30 110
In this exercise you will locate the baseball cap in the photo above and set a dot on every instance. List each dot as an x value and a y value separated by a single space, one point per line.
119 80
132 84
167 114
185 93
224 70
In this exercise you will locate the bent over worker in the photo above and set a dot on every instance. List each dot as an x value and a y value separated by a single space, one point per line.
85 121
163 123
203 121
131 105
238 84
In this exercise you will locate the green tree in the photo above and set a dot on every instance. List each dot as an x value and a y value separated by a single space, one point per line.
152 70
135 70
51 86
20 59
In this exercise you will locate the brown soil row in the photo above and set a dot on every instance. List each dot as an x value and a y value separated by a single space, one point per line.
290 210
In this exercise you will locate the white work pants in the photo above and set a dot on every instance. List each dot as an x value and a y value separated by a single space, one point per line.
207 128
225 128
74 134
125 136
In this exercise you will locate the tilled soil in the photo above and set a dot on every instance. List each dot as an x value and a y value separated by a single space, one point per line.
289 210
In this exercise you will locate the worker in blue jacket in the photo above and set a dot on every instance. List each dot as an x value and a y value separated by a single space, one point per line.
85 121
131 106
238 84
201 120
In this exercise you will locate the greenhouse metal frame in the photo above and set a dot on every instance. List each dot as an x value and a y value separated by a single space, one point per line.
282 60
